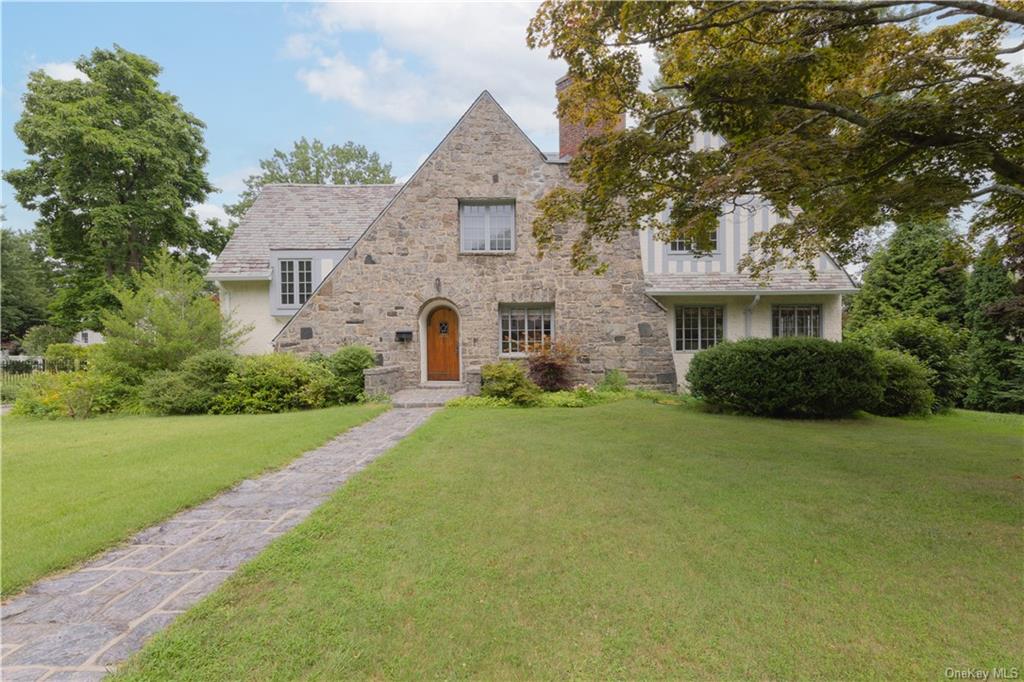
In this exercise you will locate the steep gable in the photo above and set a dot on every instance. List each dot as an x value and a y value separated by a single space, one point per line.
410 258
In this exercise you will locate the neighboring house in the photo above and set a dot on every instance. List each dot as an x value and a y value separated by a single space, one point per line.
87 337
443 276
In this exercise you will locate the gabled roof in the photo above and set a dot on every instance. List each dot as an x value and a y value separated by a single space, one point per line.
827 282
299 217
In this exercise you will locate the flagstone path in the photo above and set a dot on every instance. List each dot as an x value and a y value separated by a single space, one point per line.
81 624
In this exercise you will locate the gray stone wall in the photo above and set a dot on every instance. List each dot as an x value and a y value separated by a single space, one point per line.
410 258
379 381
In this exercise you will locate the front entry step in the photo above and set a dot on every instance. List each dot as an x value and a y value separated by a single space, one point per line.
427 396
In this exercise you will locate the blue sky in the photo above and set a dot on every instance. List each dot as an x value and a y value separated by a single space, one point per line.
261 75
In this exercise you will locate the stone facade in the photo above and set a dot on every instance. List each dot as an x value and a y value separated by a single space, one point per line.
409 260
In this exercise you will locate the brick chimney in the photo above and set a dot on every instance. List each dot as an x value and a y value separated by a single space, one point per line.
572 135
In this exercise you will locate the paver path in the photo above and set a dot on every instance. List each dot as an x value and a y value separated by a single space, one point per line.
79 625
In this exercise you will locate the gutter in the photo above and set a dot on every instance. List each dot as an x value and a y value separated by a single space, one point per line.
748 313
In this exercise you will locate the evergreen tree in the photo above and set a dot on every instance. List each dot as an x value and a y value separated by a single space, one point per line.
994 350
919 273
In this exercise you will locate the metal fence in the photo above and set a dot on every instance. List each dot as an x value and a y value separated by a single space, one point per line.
15 368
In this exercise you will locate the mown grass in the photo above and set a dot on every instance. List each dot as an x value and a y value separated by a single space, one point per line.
636 540
73 488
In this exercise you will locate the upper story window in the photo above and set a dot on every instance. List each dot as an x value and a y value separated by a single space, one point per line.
487 226
688 246
699 327
295 275
796 320
296 280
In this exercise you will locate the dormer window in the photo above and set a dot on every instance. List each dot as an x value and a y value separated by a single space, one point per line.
487 226
688 245
296 281
295 275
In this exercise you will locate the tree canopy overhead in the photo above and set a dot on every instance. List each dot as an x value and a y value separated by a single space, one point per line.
843 115
115 165
317 164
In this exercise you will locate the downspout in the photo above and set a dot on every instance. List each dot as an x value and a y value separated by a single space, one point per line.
748 313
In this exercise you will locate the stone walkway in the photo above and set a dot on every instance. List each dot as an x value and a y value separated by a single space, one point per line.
80 625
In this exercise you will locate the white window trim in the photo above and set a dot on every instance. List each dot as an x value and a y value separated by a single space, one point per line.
673 251
315 256
522 306
487 237
821 319
676 341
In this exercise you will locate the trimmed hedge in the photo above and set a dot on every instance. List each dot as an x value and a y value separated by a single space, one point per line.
787 377
905 389
936 346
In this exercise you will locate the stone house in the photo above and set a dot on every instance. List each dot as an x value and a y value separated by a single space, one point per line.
440 275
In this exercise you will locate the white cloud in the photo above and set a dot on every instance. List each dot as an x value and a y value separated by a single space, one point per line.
432 60
207 211
234 182
63 71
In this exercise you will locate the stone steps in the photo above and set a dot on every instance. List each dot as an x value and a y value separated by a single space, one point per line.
426 396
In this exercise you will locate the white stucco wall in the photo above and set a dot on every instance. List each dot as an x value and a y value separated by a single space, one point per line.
248 303
760 320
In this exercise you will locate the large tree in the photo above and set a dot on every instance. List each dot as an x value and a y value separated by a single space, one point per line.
843 115
317 164
26 285
994 350
115 165
921 271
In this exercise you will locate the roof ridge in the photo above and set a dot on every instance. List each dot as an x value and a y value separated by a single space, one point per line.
332 185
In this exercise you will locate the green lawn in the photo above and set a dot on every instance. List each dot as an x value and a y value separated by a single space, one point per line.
72 488
637 540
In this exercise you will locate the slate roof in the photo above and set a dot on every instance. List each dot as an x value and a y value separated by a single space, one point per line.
828 281
299 217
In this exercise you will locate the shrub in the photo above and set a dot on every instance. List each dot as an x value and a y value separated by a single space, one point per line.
66 394
787 377
165 316
938 348
581 396
614 381
347 365
551 365
507 380
276 382
905 389
66 356
42 336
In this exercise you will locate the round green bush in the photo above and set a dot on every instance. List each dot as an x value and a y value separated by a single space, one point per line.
905 389
508 381
347 365
936 346
787 377
276 382
65 357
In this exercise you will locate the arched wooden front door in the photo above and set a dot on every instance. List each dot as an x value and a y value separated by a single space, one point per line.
442 345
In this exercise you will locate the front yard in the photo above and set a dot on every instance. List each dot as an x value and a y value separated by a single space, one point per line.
635 540
70 488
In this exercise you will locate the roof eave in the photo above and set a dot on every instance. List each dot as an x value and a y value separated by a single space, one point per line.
746 292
